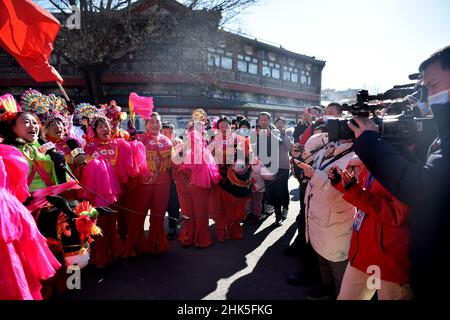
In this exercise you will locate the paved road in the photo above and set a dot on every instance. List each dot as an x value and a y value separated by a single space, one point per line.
252 268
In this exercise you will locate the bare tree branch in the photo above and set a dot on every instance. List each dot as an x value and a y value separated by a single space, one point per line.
59 8
120 4
193 4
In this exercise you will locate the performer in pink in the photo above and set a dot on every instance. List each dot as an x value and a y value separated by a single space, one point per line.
110 164
223 148
150 191
115 115
26 259
229 198
196 172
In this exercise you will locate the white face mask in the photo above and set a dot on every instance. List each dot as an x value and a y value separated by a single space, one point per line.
439 98
244 131
424 108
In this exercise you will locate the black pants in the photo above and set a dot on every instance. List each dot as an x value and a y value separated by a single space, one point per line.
284 177
173 206
331 274
276 191
308 258
301 218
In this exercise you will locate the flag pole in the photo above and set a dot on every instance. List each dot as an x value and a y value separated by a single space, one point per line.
62 90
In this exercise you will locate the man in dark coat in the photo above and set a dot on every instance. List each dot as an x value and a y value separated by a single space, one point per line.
424 187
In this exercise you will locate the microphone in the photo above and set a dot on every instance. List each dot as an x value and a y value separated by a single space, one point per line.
76 151
57 157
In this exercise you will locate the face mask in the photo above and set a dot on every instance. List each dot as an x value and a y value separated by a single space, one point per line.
424 108
244 131
439 98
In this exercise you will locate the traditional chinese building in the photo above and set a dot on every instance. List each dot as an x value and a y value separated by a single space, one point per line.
221 71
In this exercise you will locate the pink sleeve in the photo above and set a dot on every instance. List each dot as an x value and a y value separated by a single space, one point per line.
126 165
16 171
99 177
139 157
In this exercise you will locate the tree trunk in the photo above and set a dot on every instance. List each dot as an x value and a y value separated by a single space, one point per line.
93 77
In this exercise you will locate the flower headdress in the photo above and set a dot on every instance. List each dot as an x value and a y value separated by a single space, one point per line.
199 115
53 116
35 102
85 110
46 107
113 111
58 104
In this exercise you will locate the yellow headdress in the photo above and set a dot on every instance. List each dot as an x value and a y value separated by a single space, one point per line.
199 115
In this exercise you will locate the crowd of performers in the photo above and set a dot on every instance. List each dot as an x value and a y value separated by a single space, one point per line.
75 187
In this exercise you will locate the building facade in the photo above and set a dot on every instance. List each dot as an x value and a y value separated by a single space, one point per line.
224 72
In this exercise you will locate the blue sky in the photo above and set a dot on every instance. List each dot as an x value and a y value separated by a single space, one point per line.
366 44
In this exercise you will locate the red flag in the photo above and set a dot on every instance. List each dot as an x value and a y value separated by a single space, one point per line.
27 32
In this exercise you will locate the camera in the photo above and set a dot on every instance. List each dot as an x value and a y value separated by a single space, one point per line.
395 112
338 129
337 177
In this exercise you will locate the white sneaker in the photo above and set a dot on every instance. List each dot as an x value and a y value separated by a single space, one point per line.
269 209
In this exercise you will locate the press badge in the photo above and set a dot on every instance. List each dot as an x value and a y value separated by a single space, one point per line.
359 217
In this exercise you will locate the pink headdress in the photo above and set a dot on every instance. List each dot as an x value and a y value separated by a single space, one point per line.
113 111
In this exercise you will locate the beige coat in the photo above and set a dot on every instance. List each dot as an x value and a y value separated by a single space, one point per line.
329 218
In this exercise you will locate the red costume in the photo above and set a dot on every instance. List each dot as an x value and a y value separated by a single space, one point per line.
194 178
150 190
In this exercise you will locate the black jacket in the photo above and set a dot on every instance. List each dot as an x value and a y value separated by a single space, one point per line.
299 129
426 188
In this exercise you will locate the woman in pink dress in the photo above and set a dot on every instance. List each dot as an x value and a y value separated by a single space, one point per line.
110 164
195 174
150 191
26 259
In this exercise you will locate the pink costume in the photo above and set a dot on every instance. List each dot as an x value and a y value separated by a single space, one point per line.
150 191
25 256
194 178
110 164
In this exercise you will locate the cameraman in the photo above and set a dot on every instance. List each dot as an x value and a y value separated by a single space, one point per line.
423 187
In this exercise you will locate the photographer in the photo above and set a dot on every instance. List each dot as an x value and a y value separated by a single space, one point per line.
380 236
423 187
308 272
329 218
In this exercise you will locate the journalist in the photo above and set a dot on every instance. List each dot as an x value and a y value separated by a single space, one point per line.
423 187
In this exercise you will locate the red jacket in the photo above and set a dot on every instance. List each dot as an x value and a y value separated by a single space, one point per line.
383 238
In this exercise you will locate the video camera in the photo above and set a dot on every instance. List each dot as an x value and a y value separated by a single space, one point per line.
396 112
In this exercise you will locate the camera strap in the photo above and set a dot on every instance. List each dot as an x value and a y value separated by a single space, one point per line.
336 158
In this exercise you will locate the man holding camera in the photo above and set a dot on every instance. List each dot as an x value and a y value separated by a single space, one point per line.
329 218
424 187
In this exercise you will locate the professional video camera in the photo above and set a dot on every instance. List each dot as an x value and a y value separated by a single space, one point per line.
398 112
